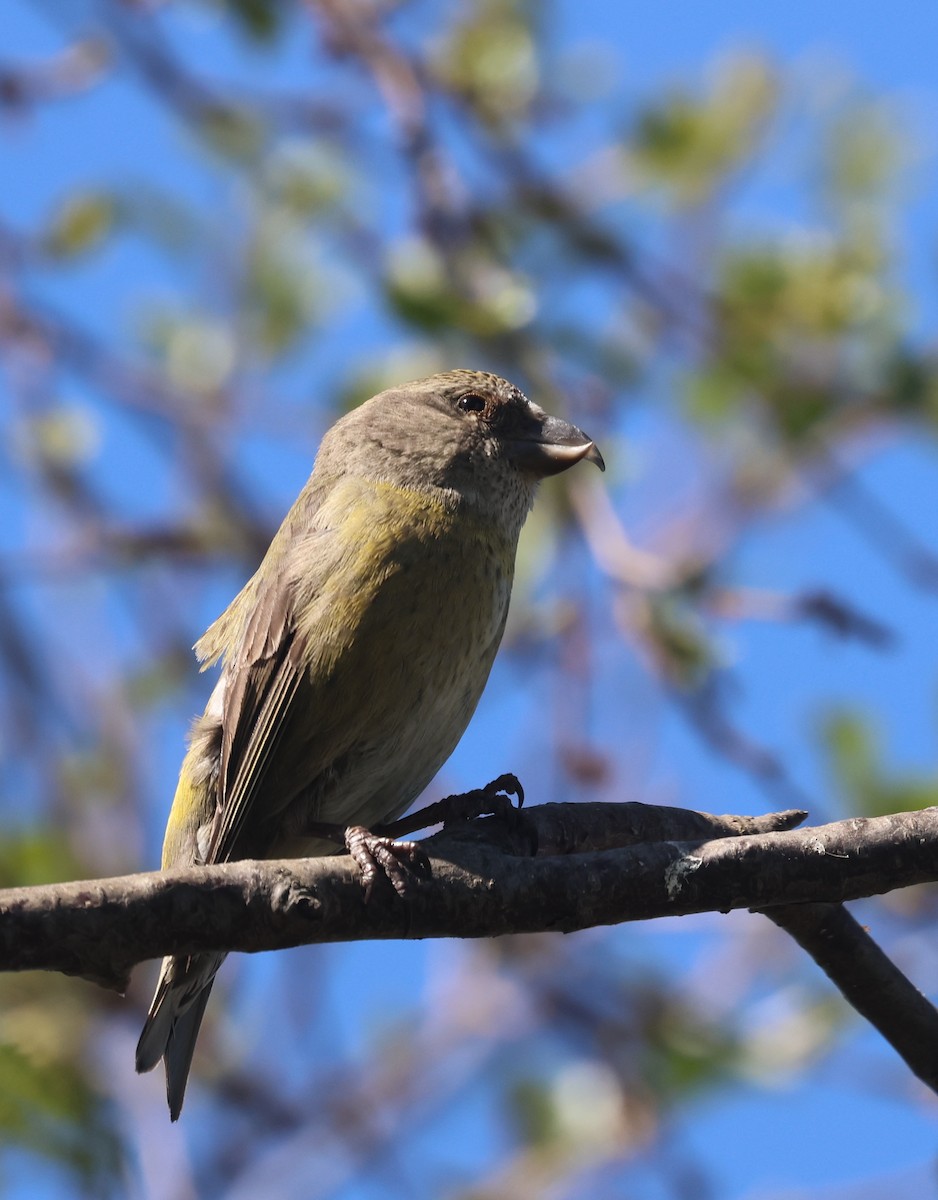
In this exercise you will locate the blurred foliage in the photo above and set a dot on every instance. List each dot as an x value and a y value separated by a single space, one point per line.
80 225
489 60
259 19
690 145
350 195
867 783
47 1103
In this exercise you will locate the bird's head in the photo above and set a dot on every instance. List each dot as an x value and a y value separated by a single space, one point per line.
475 436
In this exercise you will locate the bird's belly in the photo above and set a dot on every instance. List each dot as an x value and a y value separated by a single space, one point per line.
420 679
386 777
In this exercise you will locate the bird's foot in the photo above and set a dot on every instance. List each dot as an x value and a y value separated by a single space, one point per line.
401 863
493 800
377 852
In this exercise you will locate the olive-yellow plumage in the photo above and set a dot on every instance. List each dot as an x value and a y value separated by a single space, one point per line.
355 656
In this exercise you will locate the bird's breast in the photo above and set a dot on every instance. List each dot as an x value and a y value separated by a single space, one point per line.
410 631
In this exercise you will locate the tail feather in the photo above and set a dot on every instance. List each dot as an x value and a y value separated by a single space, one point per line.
172 1025
178 1056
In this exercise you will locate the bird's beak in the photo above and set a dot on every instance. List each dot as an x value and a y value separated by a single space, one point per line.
551 447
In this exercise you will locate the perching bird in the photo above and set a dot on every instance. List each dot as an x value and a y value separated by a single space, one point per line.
355 656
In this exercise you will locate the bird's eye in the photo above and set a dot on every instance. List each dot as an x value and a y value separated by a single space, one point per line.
472 402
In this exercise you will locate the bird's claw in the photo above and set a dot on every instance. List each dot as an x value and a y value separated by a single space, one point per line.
493 800
401 863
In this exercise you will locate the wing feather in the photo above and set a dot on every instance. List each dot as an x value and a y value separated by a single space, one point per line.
263 718
262 679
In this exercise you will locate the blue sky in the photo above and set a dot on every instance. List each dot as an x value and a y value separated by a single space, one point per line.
855 1125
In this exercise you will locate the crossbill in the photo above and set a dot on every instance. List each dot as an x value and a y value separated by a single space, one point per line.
355 656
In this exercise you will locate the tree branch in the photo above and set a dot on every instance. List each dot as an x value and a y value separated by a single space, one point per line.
868 980
484 884
559 867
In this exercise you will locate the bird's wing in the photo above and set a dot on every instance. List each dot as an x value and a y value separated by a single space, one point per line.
258 695
262 678
273 697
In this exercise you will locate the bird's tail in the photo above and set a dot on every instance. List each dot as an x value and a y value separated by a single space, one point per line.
172 1024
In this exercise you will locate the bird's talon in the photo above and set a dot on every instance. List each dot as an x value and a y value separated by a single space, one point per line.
493 800
507 784
401 863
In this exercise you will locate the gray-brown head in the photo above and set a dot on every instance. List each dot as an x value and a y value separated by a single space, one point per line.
474 436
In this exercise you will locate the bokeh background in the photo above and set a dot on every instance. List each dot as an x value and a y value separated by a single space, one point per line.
704 231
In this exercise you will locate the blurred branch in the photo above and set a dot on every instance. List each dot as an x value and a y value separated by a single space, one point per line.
195 98
112 546
831 613
613 550
57 77
355 32
879 525
45 333
705 711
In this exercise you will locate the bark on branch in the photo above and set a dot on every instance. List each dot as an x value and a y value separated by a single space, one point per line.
597 865
868 979
557 867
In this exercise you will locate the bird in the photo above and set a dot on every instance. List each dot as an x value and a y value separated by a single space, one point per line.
354 657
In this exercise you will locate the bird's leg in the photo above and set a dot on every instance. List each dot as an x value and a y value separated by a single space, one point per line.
493 800
378 852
